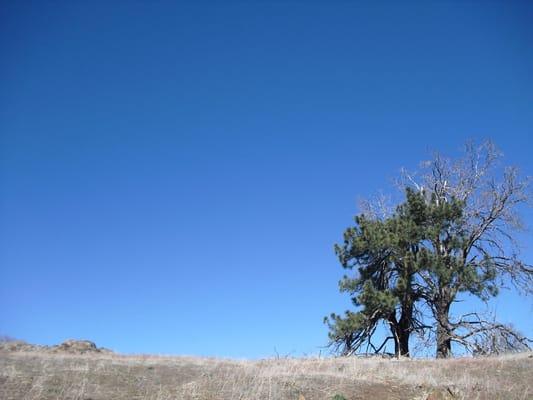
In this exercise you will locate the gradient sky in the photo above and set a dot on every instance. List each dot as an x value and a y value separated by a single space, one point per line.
174 175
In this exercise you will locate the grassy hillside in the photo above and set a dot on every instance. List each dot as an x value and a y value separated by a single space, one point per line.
84 372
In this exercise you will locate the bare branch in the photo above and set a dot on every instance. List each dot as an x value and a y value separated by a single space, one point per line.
483 336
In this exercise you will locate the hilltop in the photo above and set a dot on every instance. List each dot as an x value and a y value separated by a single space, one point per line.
80 370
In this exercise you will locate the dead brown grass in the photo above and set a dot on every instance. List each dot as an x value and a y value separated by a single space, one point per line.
44 375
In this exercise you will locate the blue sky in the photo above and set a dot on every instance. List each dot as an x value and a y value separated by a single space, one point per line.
173 176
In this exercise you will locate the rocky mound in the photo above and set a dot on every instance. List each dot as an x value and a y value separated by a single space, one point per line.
17 345
77 347
70 346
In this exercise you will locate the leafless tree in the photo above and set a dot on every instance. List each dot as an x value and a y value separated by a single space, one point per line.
491 196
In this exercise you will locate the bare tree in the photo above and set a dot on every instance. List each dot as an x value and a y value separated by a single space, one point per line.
477 251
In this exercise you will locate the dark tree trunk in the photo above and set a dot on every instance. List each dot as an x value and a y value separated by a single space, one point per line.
444 342
404 328
403 341
401 330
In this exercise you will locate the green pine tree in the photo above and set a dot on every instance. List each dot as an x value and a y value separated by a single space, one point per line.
385 253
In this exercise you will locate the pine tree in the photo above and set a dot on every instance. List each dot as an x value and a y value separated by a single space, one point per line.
386 253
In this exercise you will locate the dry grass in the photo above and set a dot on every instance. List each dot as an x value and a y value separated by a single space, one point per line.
44 375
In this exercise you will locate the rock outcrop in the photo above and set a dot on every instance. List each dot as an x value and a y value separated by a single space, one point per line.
70 346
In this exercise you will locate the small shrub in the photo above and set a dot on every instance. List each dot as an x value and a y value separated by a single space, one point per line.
338 397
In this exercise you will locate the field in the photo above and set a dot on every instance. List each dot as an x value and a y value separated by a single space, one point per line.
30 372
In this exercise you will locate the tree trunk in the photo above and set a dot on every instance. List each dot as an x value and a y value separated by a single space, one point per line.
402 331
404 328
444 342
403 342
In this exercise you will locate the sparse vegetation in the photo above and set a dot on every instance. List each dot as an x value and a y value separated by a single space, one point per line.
339 397
32 373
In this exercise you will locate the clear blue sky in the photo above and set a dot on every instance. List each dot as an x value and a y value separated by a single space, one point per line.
174 176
